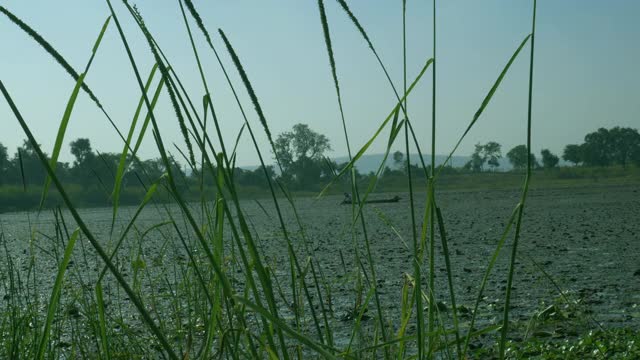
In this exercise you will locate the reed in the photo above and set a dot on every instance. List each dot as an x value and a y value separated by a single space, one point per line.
225 297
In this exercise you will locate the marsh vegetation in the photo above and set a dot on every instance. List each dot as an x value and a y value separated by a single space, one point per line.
196 270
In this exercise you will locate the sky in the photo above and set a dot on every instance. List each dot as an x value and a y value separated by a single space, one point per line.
585 72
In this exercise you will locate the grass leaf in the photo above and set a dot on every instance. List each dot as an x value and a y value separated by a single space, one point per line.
117 185
62 129
55 294
485 101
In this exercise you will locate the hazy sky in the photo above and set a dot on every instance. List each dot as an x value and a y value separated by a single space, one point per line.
586 73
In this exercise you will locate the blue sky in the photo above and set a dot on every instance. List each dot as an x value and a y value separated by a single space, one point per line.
585 73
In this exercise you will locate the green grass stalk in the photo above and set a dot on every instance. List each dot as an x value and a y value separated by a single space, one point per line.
514 250
55 295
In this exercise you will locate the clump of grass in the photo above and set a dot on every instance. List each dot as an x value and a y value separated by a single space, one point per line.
216 297
595 344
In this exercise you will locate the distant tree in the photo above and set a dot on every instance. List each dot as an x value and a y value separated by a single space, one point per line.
102 169
573 154
271 172
143 172
493 153
81 150
605 147
518 157
624 143
549 160
85 164
489 153
159 168
635 156
308 172
4 164
26 159
254 177
301 153
398 159
153 168
150 170
244 177
477 161
597 148
302 142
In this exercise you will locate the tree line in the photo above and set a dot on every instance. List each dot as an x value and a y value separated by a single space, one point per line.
604 147
90 177
89 169
300 153
301 163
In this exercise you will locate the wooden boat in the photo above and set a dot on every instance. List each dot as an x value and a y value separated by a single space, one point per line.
395 199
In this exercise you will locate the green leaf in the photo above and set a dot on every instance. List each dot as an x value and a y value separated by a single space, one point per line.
104 341
283 325
62 129
123 157
51 50
55 294
485 101
380 128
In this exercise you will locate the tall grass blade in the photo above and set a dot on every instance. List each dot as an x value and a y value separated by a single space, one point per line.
147 119
355 193
164 70
62 129
147 197
514 249
104 339
332 63
235 145
202 76
96 245
366 146
362 199
49 49
416 250
357 24
22 177
447 261
487 272
61 61
358 317
198 19
432 236
325 318
248 86
55 294
123 157
324 351
292 255
183 206
218 253
485 102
